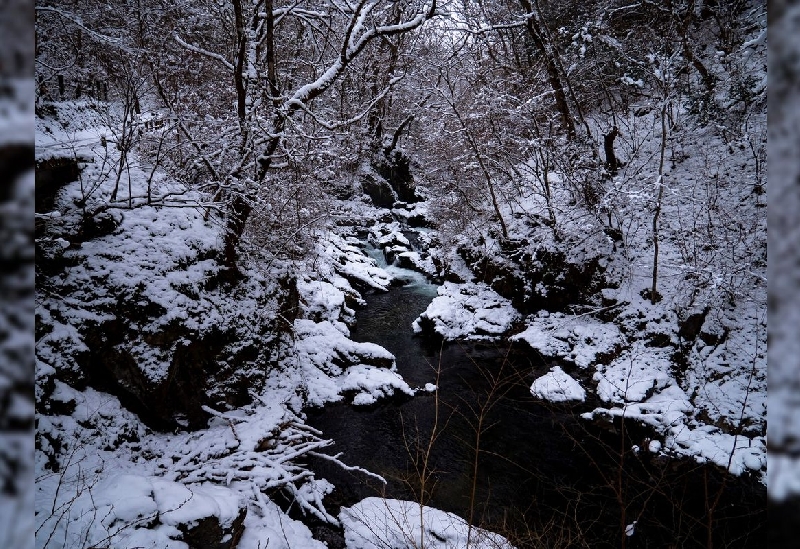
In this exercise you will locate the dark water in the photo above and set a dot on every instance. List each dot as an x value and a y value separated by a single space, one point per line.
545 477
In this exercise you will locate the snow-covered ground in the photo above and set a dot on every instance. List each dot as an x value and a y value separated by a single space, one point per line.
105 477
375 523
102 476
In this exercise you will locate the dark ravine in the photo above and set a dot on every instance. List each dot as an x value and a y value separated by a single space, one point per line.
543 471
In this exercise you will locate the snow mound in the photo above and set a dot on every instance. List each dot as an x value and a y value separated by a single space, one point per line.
580 340
467 311
331 364
129 511
350 262
375 523
372 383
557 386
737 454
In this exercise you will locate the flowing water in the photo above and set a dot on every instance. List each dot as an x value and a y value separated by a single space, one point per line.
543 476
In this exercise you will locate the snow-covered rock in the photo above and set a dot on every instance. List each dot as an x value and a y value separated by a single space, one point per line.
377 523
352 263
578 339
470 311
332 364
558 386
127 511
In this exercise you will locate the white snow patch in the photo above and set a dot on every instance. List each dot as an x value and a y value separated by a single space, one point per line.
737 454
557 386
634 376
372 383
468 311
266 526
577 339
331 364
376 523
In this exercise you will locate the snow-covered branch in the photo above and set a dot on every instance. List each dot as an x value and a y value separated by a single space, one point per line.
342 123
78 21
228 65
351 47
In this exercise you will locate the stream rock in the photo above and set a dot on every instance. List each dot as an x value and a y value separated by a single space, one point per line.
377 188
534 278
209 533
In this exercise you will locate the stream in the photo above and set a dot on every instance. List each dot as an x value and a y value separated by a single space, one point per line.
545 477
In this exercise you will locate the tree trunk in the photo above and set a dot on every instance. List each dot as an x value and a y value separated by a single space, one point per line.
660 196
238 211
272 64
551 64
608 147
238 78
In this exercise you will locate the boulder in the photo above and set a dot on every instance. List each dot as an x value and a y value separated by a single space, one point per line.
378 189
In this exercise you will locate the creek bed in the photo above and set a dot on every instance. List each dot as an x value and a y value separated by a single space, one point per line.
543 474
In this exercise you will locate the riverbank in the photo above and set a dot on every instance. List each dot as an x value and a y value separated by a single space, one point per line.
535 459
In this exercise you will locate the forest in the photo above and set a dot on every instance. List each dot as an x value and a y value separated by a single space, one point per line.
401 274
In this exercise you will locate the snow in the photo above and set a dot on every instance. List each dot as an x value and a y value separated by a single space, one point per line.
266 526
350 262
324 300
133 488
644 392
121 485
634 376
578 339
376 523
736 453
785 469
469 311
17 507
117 482
16 112
557 386
122 509
17 322
372 383
332 364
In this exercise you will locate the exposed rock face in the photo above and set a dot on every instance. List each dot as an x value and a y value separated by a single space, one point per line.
535 279
208 533
51 175
190 362
378 189
167 374
389 179
690 327
395 167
